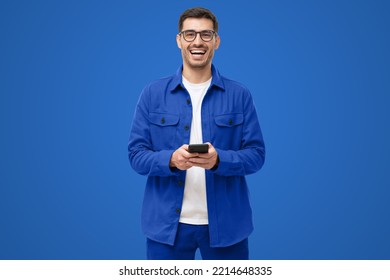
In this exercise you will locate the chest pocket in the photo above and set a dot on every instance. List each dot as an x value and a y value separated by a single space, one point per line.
163 127
228 131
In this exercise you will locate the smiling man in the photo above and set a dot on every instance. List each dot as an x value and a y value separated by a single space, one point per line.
196 199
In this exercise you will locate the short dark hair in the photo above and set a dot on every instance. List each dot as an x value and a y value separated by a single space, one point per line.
198 12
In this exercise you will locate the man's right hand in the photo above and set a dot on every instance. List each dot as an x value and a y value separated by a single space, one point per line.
180 158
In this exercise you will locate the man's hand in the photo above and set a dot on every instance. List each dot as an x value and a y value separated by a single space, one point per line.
207 160
181 158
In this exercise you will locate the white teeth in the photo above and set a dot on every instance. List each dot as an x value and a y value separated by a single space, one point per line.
197 52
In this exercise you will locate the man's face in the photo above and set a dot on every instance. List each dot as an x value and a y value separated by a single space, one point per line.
197 54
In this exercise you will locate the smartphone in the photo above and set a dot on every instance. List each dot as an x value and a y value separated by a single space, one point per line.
198 148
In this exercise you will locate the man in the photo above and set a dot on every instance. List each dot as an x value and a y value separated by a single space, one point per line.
196 200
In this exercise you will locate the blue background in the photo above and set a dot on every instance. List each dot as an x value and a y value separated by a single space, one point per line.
70 76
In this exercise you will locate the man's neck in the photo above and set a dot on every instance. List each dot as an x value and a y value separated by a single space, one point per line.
197 75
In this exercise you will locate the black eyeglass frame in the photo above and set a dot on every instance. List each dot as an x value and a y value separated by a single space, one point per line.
214 34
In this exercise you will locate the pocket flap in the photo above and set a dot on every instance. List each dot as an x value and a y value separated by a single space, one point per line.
163 119
229 120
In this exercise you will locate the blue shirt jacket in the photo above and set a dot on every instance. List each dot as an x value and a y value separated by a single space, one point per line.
162 123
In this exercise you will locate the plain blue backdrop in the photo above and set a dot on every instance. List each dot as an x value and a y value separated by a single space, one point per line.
70 76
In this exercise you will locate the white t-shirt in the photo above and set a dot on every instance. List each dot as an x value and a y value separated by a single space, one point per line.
194 208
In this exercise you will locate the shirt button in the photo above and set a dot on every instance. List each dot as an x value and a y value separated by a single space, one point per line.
188 101
187 127
180 183
230 121
178 210
162 120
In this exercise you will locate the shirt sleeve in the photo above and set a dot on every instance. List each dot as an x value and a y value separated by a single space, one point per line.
250 157
143 159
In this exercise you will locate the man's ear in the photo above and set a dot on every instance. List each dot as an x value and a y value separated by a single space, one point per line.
178 41
217 42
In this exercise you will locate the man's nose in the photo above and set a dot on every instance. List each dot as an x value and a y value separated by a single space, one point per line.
198 39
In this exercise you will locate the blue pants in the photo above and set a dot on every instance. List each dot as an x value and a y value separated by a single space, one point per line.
188 239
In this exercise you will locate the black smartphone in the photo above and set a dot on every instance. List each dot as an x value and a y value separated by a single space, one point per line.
198 148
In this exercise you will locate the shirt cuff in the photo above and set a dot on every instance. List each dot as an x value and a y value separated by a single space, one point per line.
228 164
164 159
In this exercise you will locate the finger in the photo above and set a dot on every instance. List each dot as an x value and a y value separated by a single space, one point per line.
185 165
205 155
210 145
190 155
185 147
185 154
199 160
208 155
203 165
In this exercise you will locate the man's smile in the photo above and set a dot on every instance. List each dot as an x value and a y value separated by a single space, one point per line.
197 53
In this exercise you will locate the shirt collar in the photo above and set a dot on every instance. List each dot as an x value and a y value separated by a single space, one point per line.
177 79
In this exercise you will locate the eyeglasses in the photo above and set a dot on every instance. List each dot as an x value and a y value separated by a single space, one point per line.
190 35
